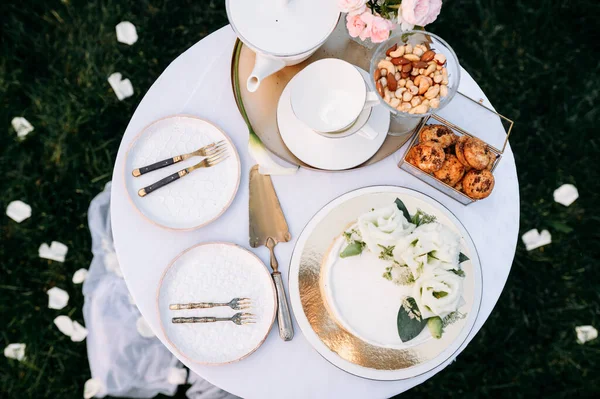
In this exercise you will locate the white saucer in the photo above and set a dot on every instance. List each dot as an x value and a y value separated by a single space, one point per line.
329 153
216 272
194 200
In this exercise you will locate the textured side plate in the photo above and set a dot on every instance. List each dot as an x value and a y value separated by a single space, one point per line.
325 333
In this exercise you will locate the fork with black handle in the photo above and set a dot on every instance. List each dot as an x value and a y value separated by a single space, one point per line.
208 162
205 151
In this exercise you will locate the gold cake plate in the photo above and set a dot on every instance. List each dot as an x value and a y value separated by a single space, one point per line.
326 329
261 106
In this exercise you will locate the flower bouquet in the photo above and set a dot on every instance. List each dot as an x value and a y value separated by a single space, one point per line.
374 19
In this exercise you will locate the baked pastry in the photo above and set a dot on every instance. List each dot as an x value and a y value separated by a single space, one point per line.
451 171
478 184
476 153
427 156
458 150
458 186
492 160
439 134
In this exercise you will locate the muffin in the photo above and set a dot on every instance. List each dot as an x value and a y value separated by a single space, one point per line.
478 184
439 134
451 171
428 156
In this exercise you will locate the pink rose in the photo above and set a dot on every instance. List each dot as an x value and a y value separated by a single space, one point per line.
355 25
420 12
378 28
352 6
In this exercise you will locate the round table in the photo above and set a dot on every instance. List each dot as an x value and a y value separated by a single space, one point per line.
199 83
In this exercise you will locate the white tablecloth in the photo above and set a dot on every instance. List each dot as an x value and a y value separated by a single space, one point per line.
198 83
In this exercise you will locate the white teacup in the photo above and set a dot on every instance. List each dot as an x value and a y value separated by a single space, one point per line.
330 96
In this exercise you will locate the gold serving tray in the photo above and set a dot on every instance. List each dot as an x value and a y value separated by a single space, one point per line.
261 106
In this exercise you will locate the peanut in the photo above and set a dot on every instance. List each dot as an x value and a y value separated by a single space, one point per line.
444 76
383 81
383 72
397 76
387 95
426 102
395 102
402 82
405 106
415 101
432 92
440 58
434 103
421 109
443 91
414 72
437 78
407 96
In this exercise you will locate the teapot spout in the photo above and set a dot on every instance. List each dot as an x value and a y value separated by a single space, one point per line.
263 67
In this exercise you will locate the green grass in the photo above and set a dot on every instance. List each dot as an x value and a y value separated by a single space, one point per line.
536 60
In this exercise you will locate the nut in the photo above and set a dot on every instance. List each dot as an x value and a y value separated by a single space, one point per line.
392 84
414 72
377 74
418 51
407 96
420 64
423 86
416 100
395 102
399 92
428 56
444 76
434 102
437 78
379 87
417 80
383 72
440 58
432 92
400 61
383 81
387 65
387 96
443 91
409 83
388 58
411 57
439 68
430 69
397 53
429 80
404 75
426 102
397 76
405 107
420 109
402 82
414 90
407 67
389 51
408 48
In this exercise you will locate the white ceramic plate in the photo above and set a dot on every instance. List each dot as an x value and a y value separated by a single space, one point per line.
338 319
193 200
216 272
329 153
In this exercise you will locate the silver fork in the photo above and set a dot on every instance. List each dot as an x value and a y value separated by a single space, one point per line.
235 304
209 162
205 151
238 318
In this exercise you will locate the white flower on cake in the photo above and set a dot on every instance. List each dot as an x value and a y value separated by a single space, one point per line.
438 292
383 227
429 246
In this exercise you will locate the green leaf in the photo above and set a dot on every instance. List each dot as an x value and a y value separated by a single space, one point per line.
460 273
402 207
439 294
422 218
410 323
353 249
462 258
386 252
559 226
388 273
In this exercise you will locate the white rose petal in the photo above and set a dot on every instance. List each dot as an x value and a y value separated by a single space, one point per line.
566 194
18 211
177 376
64 324
15 351
111 262
131 300
437 281
79 276
383 226
143 328
533 239
121 87
21 126
92 387
585 334
79 332
126 32
57 298
56 251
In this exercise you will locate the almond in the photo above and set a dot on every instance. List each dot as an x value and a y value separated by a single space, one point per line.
420 64
392 84
407 67
393 48
400 61
377 74
379 88
428 56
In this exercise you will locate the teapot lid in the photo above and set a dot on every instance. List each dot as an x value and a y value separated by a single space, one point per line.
283 27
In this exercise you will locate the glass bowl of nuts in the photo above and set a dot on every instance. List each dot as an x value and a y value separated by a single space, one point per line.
416 73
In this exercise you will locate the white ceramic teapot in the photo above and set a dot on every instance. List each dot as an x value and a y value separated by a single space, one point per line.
281 32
